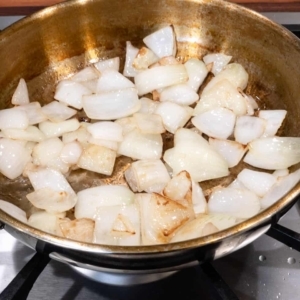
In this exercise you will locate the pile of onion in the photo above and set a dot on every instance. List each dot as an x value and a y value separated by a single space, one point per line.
129 113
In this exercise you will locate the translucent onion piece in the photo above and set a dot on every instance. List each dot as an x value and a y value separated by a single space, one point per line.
219 60
239 203
274 119
160 217
31 133
197 72
198 199
166 60
45 221
71 92
160 77
234 73
281 173
149 123
20 95
13 211
79 229
86 74
248 128
128 124
251 104
91 85
13 158
193 154
106 130
231 151
147 175
236 184
173 115
51 129
105 143
162 42
13 118
111 63
81 135
112 105
118 225
141 146
34 112
218 123
89 200
148 106
98 159
144 59
181 94
131 53
258 182
51 200
283 151
280 189
57 111
223 94
71 153
112 80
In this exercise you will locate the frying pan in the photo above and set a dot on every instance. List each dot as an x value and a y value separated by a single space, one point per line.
60 40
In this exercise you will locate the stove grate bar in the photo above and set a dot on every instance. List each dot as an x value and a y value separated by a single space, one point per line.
218 287
20 286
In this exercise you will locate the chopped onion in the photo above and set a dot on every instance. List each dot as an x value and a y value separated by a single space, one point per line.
160 77
219 60
147 175
274 119
89 200
197 72
105 143
148 106
31 133
20 96
51 129
149 123
273 153
13 211
106 130
281 173
71 153
81 135
86 74
128 124
57 111
144 58
13 118
34 112
131 53
91 85
199 201
111 63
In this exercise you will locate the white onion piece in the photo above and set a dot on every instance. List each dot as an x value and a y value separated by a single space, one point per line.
162 42
118 225
13 211
223 94
281 173
71 153
197 227
51 200
274 119
106 195
57 111
128 124
13 118
149 123
34 112
71 92
13 158
47 154
217 123
181 94
160 217
81 135
110 131
105 143
234 202
144 59
166 61
111 63
141 146
51 129
31 133
251 104
86 74
112 105
248 128
98 159
131 53
280 189
198 199
91 85
283 151
79 229
219 60
234 73
231 151
258 182
160 77
193 154
112 80
173 115
236 184
197 72
148 106
20 95
147 175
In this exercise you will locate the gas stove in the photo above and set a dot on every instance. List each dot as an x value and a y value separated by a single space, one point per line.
266 269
